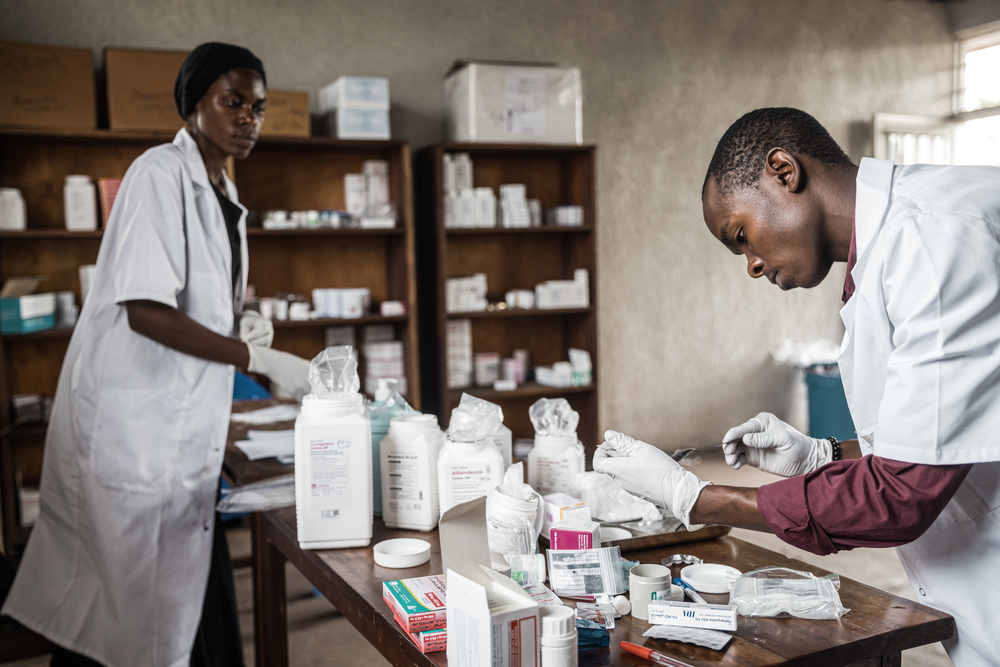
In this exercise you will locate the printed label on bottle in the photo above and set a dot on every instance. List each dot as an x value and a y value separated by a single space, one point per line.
405 493
468 482
330 478
553 475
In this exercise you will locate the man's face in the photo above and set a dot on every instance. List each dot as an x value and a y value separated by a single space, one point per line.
779 231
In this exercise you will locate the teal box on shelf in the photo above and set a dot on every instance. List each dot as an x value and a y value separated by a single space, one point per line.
22 311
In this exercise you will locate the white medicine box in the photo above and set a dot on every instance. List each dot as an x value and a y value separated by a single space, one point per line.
355 107
513 103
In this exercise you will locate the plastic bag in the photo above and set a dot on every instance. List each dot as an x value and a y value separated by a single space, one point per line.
609 501
393 406
598 612
516 498
527 569
334 372
779 591
713 639
553 416
267 494
474 419
510 534
583 572
591 634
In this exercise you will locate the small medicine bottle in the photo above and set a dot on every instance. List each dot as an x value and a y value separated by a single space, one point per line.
80 203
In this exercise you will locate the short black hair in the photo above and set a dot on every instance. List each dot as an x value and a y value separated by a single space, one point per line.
739 158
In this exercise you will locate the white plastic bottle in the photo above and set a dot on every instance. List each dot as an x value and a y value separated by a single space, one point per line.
558 636
467 470
504 440
333 473
80 204
553 462
409 459
12 215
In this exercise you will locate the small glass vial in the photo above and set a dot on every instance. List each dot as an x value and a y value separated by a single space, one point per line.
80 202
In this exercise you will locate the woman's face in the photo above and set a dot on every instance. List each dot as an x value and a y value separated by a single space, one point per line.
231 112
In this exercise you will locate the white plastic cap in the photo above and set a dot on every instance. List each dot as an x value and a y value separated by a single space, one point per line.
77 179
557 621
382 392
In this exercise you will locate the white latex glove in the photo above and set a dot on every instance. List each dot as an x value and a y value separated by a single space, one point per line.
291 373
650 473
770 444
256 329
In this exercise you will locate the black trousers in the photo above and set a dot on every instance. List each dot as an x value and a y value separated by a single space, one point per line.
217 643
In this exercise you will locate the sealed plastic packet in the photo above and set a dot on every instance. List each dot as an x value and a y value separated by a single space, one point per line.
262 496
598 612
713 639
526 569
780 591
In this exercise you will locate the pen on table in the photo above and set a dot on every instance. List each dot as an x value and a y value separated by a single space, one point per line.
689 591
651 655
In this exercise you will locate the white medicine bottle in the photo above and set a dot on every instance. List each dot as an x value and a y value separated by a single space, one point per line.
557 455
409 480
470 465
333 459
80 204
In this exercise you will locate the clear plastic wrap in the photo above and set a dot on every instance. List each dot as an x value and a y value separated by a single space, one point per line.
598 612
527 569
583 572
713 639
779 591
608 501
553 416
268 494
474 419
510 534
334 372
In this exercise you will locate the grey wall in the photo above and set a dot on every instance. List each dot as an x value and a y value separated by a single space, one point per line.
685 335
972 14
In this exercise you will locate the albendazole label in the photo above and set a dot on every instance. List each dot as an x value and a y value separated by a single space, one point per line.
468 482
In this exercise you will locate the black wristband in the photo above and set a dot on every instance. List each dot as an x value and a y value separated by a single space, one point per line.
835 444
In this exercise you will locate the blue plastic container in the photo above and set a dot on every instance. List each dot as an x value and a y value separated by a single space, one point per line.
828 411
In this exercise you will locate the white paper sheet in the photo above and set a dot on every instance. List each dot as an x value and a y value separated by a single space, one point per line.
264 444
275 413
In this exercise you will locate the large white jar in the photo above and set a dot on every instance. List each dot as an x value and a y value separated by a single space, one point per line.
467 470
409 476
333 473
553 462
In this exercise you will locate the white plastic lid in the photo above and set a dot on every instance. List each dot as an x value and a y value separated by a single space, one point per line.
557 621
612 533
709 577
77 179
402 552
10 192
413 423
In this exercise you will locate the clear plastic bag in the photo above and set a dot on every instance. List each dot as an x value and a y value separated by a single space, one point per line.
608 501
334 372
713 639
598 612
553 416
779 591
584 572
474 419
510 534
527 569
268 494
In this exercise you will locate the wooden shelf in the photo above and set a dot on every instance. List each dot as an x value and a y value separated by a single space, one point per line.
519 312
529 390
50 234
257 231
56 332
545 229
337 321
515 150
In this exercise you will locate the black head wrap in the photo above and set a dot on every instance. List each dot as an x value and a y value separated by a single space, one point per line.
206 64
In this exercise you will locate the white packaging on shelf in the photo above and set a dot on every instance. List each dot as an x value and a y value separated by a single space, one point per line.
463 171
359 92
562 294
459 353
376 181
514 103
355 194
351 123
486 207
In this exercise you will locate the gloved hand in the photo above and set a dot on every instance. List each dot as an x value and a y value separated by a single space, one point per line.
256 329
291 373
650 473
770 444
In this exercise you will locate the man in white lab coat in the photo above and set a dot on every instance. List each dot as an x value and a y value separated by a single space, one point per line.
115 571
920 362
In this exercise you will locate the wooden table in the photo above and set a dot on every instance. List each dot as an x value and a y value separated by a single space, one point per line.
878 627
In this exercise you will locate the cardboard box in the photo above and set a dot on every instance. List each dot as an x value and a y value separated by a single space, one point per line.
359 92
691 615
560 506
418 604
427 641
22 311
574 534
503 102
287 114
140 85
46 86
491 620
351 123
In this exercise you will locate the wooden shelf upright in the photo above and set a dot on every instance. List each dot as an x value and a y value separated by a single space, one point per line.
281 173
511 259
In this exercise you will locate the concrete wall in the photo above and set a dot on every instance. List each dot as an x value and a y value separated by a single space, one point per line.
685 334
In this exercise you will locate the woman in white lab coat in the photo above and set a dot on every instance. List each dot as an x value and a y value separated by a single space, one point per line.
117 567
920 362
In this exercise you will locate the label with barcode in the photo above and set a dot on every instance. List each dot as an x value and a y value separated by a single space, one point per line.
329 514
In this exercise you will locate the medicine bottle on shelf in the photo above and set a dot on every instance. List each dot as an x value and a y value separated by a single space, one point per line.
409 475
470 464
80 204
12 214
333 459
557 455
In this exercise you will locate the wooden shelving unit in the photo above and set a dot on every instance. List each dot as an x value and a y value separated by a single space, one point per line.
281 173
511 258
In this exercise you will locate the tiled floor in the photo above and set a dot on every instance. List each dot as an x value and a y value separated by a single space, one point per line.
318 635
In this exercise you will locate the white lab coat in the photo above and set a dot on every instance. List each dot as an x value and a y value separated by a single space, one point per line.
117 563
921 367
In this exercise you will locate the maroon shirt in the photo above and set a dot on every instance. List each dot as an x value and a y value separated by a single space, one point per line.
866 502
